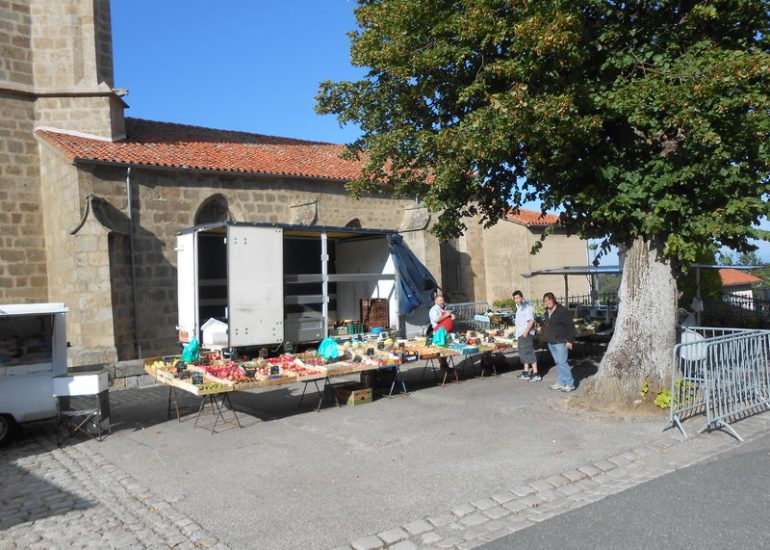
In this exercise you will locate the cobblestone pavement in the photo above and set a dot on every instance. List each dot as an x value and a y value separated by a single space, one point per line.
70 497
476 523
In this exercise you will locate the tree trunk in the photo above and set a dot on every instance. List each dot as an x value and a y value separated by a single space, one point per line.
645 331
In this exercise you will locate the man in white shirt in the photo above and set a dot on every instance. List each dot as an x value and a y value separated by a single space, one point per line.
440 316
525 333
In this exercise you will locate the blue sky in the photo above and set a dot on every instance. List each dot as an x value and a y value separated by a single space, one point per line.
247 65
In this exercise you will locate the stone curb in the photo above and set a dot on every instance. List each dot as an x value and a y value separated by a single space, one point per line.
483 520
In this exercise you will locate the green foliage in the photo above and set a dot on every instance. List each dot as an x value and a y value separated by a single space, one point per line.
609 283
507 303
663 399
635 119
725 259
748 258
644 390
710 281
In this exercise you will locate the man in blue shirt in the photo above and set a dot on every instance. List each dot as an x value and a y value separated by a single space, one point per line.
525 333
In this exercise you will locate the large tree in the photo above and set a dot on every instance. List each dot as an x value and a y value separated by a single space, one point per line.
645 123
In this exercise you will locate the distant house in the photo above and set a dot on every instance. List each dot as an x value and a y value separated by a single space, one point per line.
739 286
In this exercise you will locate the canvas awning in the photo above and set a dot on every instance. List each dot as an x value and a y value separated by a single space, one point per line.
416 285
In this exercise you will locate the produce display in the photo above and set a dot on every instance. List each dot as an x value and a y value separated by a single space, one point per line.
230 371
215 374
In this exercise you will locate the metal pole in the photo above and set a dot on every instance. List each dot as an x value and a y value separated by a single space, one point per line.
325 285
697 294
566 292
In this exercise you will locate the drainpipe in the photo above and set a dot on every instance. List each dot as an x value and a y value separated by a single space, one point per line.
137 339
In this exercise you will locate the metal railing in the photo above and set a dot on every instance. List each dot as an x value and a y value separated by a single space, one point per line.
584 300
748 304
471 316
720 372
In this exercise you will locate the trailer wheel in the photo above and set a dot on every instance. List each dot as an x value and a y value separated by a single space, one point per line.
7 426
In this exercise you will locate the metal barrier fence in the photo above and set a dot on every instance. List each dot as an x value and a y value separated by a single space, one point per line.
466 316
722 373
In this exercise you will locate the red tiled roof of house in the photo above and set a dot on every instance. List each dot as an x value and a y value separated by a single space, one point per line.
166 144
734 277
532 217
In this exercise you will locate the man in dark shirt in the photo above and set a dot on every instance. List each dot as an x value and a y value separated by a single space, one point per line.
559 332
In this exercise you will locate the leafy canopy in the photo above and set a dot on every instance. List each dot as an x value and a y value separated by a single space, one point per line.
645 118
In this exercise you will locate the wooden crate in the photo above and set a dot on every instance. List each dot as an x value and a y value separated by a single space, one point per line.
374 313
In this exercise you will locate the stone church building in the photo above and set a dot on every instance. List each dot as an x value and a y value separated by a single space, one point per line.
91 199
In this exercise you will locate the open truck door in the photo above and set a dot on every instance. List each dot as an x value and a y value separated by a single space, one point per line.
255 285
187 285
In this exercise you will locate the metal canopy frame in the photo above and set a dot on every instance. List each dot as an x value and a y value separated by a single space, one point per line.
568 270
593 271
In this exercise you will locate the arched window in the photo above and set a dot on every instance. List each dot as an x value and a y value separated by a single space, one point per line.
214 209
355 222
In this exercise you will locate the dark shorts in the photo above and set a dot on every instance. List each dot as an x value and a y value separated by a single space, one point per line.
527 349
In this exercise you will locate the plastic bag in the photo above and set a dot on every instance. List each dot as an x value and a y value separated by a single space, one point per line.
439 337
329 349
191 352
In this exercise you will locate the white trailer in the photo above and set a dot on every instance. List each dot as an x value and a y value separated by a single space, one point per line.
276 283
33 350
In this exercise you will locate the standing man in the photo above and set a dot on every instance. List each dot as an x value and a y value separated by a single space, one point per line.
525 333
559 332
440 316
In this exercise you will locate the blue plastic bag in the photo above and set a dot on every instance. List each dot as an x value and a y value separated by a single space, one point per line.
439 337
329 349
191 352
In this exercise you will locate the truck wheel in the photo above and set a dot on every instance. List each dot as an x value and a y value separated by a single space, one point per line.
6 427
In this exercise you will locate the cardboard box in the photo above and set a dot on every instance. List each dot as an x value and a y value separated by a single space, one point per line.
353 395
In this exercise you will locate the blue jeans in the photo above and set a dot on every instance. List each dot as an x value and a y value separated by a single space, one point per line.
563 370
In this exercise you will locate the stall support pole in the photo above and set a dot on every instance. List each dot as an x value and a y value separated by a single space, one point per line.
325 284
566 292
697 294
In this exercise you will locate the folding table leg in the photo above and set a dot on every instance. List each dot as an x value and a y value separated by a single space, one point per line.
321 400
172 397
397 379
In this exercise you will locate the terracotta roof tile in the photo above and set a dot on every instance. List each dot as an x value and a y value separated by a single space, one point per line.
734 277
166 144
532 217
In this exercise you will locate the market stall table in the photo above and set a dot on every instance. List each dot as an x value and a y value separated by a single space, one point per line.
215 379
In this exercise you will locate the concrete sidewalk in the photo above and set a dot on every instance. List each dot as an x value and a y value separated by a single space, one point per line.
441 468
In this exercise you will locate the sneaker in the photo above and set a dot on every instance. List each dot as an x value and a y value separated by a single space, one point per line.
524 375
557 386
535 377
568 388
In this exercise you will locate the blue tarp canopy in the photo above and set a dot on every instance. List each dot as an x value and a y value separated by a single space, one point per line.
415 283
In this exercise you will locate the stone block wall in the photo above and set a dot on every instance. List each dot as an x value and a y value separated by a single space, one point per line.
22 242
506 256
77 252
166 201
97 115
15 47
71 40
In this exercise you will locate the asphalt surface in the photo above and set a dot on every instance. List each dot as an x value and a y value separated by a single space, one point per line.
718 504
292 478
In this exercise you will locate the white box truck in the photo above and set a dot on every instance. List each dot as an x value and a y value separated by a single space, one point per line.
276 283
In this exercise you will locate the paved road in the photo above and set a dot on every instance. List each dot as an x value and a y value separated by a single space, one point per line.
722 503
